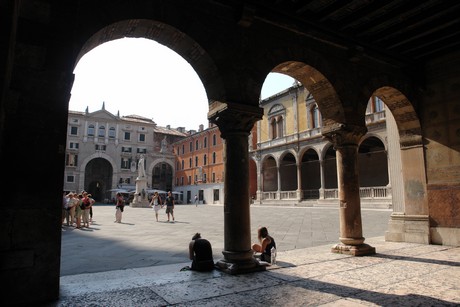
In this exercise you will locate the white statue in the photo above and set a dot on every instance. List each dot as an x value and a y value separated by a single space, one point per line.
141 167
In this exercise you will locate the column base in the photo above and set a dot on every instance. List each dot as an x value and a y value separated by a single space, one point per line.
235 268
354 250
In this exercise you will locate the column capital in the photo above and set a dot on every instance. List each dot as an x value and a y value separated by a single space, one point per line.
343 135
234 117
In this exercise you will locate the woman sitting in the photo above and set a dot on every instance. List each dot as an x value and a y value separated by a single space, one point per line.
266 242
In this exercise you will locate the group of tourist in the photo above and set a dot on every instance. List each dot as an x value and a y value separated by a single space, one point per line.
77 209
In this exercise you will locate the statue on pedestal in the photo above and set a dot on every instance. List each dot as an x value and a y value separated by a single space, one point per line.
141 167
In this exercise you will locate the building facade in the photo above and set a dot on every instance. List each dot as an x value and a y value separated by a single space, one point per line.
103 151
199 166
295 165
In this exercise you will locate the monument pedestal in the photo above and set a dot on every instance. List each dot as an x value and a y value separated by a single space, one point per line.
140 199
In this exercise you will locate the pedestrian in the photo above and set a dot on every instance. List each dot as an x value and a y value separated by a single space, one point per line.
119 206
200 252
87 202
79 210
65 207
74 201
196 200
266 242
170 206
156 203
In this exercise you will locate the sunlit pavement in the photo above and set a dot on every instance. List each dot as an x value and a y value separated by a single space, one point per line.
137 263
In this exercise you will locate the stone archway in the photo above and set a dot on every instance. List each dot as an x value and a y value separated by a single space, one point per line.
410 200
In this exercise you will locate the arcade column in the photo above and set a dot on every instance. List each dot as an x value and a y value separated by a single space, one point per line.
235 122
345 139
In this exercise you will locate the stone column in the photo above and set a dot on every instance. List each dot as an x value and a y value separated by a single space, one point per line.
235 122
321 174
278 174
299 181
345 139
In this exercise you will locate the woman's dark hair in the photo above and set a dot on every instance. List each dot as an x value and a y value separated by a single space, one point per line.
196 236
262 233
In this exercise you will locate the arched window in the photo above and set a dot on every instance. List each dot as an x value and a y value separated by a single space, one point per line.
205 142
91 130
182 164
276 117
197 145
205 160
190 162
280 126
273 128
196 161
315 117
214 140
213 158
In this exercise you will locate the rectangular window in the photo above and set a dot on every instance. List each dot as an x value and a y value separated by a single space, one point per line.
100 147
216 194
191 146
112 133
204 177
125 163
181 180
142 150
126 149
70 178
213 177
73 130
142 137
127 136
189 179
73 145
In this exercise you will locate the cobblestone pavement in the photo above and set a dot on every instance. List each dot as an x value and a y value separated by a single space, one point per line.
138 263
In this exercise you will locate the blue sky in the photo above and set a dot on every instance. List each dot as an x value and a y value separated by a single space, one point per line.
142 77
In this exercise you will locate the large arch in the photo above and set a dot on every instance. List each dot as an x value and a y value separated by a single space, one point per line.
405 147
168 36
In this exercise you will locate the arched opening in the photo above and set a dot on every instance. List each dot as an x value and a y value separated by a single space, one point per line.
98 178
162 177
311 174
269 174
373 163
288 172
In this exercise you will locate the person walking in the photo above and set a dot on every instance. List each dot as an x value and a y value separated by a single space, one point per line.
196 200
119 206
170 206
156 203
